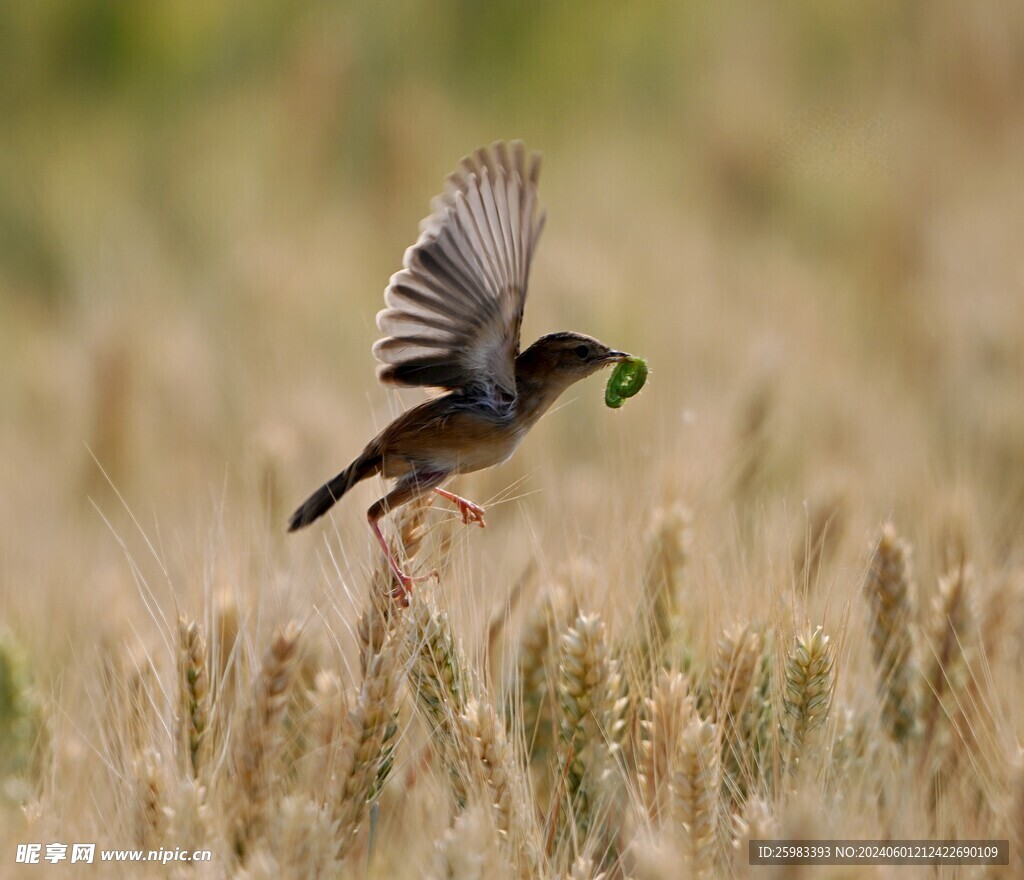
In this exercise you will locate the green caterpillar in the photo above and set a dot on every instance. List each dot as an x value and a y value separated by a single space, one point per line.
626 379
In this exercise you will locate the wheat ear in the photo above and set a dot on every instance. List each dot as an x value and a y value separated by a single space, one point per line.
890 594
195 691
667 713
366 735
695 795
808 693
261 742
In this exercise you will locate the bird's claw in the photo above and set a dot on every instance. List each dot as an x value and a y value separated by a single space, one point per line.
402 585
472 513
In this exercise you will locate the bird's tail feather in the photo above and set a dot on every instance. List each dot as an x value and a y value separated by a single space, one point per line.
324 498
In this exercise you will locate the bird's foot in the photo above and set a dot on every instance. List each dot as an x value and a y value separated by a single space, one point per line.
471 513
402 583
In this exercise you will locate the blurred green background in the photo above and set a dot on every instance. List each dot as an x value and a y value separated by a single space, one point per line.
806 215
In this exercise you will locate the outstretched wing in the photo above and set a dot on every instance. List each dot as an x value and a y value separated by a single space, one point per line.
454 312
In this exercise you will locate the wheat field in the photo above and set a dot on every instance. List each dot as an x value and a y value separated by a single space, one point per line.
778 595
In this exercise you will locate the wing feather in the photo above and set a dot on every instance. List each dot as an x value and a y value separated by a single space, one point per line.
495 237
474 223
453 313
502 222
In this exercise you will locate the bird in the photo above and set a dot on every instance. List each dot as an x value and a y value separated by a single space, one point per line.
452 321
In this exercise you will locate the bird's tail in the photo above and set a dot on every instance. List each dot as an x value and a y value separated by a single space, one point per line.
324 498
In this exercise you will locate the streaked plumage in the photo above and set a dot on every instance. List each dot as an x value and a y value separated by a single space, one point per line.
452 321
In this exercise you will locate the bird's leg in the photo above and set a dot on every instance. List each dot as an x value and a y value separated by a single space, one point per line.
403 582
405 490
470 512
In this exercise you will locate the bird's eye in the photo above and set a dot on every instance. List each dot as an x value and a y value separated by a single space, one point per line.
582 352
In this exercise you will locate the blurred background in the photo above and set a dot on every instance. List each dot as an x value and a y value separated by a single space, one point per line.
806 215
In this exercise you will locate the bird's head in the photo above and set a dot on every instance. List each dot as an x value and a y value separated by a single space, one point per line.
559 359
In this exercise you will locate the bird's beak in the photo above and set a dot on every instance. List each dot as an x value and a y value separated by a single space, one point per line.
615 357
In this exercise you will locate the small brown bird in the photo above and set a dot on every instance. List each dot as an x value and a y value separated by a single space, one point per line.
453 319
